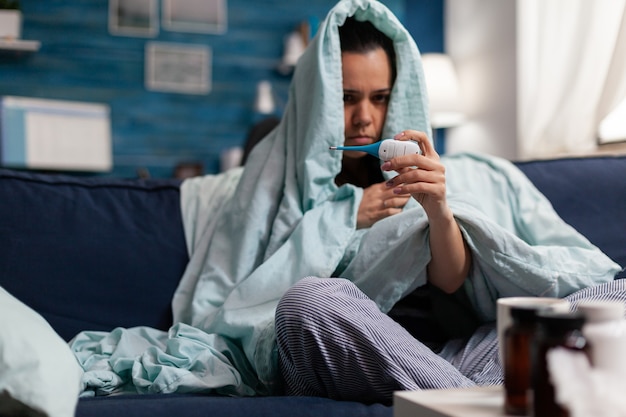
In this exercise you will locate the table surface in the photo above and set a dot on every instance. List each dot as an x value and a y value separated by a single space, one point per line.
456 402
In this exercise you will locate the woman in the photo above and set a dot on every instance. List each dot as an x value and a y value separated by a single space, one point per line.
368 74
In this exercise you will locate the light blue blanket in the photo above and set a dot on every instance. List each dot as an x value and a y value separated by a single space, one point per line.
252 233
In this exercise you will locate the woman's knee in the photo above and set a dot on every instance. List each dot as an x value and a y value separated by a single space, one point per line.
310 298
301 296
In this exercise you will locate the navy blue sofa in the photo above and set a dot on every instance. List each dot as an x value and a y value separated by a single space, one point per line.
95 253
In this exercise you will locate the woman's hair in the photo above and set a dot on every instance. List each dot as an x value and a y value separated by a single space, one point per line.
362 37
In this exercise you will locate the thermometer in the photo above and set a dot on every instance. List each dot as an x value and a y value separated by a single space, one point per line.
386 149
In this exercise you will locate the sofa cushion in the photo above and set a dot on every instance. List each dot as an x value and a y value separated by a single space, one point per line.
590 194
91 253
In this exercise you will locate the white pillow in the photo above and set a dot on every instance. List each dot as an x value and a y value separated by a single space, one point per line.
38 372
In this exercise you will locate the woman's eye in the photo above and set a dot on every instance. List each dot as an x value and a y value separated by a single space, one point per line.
348 98
381 98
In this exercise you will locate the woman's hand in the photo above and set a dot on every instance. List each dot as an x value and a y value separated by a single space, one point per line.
377 203
427 184
424 177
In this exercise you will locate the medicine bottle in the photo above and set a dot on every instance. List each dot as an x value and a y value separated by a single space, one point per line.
518 339
553 330
605 332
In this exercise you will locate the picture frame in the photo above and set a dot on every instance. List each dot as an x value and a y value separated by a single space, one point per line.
201 16
178 68
134 18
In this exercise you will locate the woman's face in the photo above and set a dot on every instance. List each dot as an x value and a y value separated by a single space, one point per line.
367 87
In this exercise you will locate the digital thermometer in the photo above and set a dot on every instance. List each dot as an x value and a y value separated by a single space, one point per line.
386 149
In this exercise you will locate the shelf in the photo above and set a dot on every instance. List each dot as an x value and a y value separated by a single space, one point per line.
453 402
19 45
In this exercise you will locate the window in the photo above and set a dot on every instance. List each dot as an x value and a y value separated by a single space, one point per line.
613 127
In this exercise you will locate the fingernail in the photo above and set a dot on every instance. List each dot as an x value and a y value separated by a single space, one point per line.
389 183
399 135
386 166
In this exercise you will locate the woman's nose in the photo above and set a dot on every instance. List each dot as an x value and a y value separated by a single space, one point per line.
362 114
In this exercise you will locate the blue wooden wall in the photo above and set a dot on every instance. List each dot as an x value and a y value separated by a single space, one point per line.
154 131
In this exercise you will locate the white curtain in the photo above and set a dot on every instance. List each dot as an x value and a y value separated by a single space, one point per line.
572 72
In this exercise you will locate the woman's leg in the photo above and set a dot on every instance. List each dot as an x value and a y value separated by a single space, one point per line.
334 342
477 357
610 291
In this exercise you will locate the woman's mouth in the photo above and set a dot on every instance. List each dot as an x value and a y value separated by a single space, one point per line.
359 140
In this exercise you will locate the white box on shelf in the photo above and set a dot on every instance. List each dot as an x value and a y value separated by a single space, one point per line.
10 24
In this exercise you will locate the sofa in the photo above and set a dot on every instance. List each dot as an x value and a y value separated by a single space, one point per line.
96 253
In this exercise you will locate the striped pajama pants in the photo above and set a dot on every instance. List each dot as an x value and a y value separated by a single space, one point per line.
334 342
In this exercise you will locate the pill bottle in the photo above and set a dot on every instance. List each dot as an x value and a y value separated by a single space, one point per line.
553 330
605 332
518 340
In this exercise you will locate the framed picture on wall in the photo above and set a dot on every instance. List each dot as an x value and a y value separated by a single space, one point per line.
202 16
134 17
178 68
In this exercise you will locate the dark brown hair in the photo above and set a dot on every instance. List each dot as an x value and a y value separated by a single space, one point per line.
362 37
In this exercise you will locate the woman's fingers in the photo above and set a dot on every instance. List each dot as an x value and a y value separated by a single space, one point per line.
410 182
428 150
377 203
429 160
428 179
396 201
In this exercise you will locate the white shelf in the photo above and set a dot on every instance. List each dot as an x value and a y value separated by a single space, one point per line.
19 45
456 402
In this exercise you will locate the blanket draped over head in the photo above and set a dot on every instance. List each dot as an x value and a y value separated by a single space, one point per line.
254 232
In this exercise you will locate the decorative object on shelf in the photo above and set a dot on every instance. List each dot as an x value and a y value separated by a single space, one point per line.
133 18
294 47
11 29
189 169
264 103
201 16
10 20
295 43
178 68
